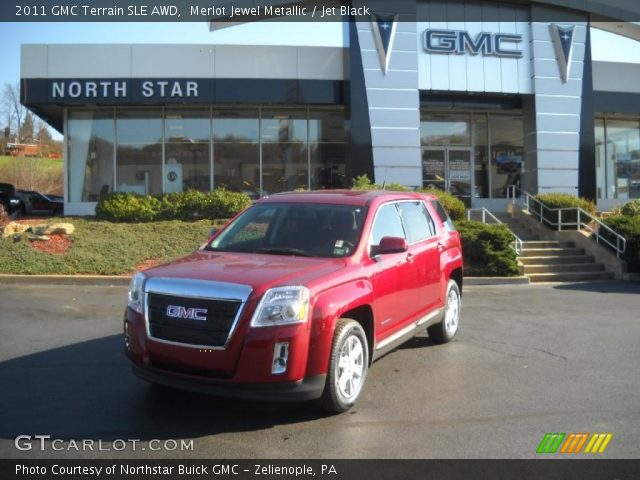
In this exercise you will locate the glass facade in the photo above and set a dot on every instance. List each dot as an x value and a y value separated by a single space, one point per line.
617 150
254 150
472 154
91 140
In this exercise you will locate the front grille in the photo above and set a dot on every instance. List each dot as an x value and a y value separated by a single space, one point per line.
212 332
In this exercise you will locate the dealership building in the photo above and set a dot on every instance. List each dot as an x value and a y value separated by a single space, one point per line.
470 97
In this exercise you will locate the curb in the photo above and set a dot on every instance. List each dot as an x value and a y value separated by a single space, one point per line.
495 281
106 280
118 280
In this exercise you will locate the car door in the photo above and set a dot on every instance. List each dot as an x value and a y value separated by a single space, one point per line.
423 254
392 278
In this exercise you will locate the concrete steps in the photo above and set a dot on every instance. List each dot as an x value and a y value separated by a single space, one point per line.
557 261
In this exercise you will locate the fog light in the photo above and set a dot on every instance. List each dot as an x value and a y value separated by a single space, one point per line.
280 357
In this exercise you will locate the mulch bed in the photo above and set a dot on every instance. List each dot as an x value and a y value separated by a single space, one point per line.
57 244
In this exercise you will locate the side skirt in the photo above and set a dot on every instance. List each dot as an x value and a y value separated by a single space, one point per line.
398 338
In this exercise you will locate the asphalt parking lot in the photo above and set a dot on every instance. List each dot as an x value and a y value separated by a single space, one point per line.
528 360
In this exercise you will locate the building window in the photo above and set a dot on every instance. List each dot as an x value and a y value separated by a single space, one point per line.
236 150
139 151
507 152
617 158
285 159
256 150
327 143
90 137
187 136
446 129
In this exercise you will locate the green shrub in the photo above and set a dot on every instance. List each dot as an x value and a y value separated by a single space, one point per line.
128 207
631 209
452 204
562 200
487 251
629 227
363 183
188 205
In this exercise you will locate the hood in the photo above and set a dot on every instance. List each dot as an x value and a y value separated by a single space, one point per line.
259 271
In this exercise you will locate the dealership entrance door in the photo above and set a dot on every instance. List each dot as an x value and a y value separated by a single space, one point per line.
449 169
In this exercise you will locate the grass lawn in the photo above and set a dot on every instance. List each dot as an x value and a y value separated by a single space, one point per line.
104 248
44 163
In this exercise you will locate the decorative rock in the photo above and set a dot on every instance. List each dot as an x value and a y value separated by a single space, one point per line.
39 238
12 228
65 228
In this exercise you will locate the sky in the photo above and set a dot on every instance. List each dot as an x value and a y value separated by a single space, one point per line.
606 46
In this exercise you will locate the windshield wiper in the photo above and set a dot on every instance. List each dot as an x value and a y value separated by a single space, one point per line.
284 251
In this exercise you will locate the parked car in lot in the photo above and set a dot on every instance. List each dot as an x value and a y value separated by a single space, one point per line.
10 203
39 203
297 295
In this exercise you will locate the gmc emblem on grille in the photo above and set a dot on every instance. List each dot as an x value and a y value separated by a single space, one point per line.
176 311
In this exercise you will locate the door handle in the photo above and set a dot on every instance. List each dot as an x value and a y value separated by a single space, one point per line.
410 257
440 246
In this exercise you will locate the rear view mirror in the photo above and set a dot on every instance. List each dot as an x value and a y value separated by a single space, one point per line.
389 245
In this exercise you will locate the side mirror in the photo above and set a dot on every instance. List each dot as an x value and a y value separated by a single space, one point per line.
213 231
390 245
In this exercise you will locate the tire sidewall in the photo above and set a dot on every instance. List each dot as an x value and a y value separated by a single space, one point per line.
451 286
344 330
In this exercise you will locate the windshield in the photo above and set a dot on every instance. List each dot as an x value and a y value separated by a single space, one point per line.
309 230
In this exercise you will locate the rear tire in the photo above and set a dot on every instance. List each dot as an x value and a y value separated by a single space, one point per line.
348 365
445 330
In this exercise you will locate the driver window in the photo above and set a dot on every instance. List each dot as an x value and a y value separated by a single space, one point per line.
386 224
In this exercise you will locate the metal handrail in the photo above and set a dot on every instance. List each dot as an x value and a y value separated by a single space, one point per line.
537 208
517 242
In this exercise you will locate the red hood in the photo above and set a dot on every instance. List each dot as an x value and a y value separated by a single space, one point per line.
259 271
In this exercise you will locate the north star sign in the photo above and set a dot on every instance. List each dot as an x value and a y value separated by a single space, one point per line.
113 89
460 42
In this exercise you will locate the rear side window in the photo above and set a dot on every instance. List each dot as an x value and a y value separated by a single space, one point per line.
442 213
387 224
417 221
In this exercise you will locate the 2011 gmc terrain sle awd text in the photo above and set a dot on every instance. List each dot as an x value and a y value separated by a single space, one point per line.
297 295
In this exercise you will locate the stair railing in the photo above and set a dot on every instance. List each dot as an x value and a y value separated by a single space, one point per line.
485 215
583 219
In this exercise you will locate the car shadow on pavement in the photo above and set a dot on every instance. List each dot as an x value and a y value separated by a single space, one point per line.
87 391
602 287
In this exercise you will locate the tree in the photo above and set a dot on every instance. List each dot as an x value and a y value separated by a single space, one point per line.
10 103
25 134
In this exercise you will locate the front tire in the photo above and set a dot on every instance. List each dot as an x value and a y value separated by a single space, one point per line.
445 330
348 366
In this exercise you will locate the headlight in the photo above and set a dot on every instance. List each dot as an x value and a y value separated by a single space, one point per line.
282 306
136 292
14 201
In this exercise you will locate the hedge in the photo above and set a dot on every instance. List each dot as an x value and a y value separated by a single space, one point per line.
188 205
452 204
631 209
629 227
562 200
487 251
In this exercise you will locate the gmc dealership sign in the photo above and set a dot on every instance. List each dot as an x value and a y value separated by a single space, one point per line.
460 42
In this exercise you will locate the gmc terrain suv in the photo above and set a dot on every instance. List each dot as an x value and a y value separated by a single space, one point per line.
297 295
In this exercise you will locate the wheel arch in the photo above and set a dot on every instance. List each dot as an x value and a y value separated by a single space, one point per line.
456 275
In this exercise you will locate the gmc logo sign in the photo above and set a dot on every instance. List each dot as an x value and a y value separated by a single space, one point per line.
175 311
460 41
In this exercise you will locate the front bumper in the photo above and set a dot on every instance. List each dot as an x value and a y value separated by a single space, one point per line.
309 388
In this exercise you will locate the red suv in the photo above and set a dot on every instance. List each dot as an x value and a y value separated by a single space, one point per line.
297 295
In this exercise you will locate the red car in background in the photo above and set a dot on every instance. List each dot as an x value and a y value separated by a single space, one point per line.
297 295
